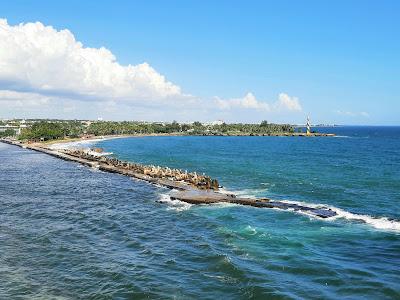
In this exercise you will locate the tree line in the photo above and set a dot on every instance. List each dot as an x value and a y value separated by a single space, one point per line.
46 130
50 130
7 133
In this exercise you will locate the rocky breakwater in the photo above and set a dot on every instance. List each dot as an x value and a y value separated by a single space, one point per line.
190 187
187 187
156 172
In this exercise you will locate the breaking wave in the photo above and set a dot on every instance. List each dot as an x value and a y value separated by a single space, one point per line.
173 204
381 223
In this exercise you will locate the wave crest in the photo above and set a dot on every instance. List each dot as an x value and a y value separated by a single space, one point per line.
382 223
174 204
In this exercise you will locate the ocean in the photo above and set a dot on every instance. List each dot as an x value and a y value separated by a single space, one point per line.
71 232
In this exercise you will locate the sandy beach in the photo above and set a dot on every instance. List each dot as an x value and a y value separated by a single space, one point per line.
78 142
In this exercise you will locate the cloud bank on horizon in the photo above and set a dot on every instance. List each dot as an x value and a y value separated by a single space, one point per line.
43 70
284 102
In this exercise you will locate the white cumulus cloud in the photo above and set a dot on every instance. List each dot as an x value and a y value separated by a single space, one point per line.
49 72
287 102
249 101
40 59
14 98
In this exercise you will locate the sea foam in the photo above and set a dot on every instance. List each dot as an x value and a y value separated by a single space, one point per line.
173 204
382 223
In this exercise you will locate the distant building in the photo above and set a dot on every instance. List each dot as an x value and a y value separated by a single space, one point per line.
17 129
218 122
214 123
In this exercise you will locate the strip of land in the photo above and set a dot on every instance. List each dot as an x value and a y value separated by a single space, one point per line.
44 130
187 187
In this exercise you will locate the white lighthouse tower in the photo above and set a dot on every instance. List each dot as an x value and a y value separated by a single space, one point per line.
308 126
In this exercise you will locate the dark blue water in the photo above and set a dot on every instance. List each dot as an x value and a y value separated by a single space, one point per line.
71 232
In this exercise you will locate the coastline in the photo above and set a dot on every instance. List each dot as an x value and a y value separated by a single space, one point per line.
71 142
56 144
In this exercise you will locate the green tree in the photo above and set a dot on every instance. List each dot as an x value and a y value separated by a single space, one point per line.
8 133
43 131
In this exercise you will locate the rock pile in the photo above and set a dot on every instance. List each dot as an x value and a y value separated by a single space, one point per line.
200 181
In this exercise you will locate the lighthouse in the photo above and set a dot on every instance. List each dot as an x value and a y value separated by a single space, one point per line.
308 126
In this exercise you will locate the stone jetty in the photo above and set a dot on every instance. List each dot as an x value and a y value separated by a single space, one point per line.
156 172
187 186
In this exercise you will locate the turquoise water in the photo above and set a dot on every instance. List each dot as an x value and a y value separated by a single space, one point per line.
73 232
358 171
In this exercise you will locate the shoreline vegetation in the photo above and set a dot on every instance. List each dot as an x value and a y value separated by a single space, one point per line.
74 130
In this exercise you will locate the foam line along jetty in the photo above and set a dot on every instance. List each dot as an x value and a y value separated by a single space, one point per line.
188 187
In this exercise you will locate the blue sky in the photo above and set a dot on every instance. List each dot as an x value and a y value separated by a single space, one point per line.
338 59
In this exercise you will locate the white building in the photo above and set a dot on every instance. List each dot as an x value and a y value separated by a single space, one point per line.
218 122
